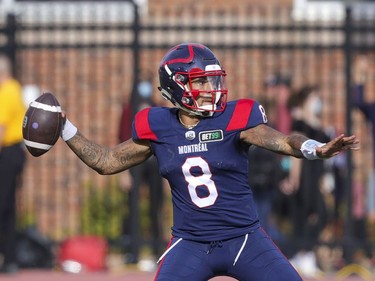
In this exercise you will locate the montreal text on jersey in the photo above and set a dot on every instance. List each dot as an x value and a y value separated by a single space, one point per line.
183 149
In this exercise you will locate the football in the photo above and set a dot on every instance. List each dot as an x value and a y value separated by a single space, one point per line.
42 124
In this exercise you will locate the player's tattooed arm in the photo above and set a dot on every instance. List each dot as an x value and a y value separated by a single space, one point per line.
107 160
271 139
268 138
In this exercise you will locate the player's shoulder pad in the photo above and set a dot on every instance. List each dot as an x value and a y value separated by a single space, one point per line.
141 125
147 122
245 113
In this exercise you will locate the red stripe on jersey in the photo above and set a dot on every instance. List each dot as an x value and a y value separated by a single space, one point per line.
240 115
142 126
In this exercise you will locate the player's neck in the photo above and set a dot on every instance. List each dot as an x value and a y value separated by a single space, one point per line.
188 121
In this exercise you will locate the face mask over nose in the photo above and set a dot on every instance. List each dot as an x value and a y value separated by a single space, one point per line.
145 89
317 107
313 106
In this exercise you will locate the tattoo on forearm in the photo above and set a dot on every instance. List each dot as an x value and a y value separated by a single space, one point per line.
105 160
295 141
91 154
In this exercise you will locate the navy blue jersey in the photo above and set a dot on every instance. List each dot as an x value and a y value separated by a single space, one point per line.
206 168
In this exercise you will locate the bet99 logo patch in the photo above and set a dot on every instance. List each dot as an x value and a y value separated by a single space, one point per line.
210 136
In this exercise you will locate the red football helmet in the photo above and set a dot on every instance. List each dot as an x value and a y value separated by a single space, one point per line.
189 71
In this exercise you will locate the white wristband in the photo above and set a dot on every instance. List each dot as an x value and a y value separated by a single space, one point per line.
68 131
308 149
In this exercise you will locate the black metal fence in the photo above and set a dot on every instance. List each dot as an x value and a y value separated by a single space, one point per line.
94 66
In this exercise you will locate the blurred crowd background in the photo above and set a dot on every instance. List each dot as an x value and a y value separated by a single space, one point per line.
100 59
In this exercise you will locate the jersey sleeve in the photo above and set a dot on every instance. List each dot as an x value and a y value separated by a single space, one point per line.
141 128
247 113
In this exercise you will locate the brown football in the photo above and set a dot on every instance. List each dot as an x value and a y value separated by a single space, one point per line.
42 124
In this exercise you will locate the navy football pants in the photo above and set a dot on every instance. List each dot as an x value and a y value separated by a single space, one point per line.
259 260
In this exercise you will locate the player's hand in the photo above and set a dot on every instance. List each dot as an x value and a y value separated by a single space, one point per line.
337 145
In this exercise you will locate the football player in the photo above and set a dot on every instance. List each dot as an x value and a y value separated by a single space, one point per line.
201 145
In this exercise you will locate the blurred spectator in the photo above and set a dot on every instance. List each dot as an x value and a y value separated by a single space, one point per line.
365 213
264 186
276 100
12 159
278 90
339 168
304 183
367 107
360 241
133 179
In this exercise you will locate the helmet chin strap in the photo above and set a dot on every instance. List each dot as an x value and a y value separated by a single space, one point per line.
208 110
168 96
193 112
207 107
201 113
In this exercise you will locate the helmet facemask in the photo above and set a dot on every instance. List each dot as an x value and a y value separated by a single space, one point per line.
205 87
